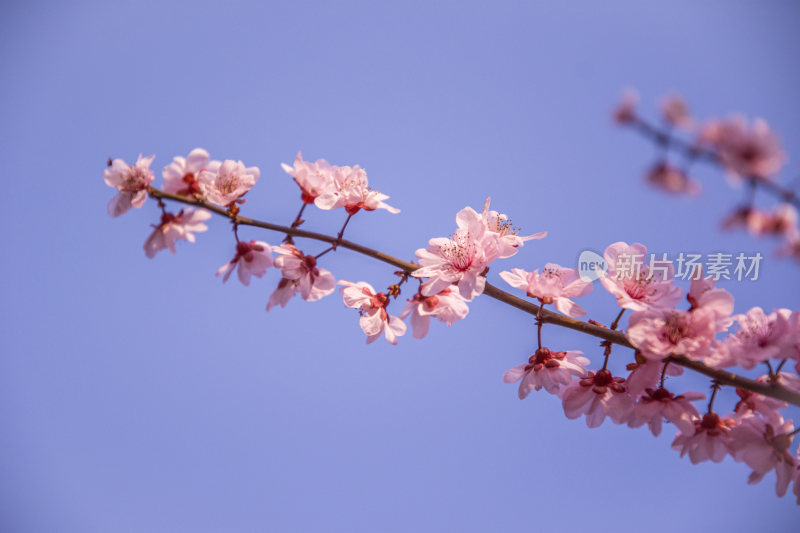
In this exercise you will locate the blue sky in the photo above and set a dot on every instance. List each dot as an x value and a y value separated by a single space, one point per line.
143 395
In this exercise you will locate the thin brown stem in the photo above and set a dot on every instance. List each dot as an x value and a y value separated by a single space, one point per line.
296 223
615 324
344 226
663 374
299 218
550 317
771 372
715 386
539 324
338 240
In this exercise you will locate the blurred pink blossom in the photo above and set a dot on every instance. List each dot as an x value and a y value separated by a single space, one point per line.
350 189
759 338
314 179
228 183
311 281
284 292
448 306
635 284
598 395
744 151
180 176
556 284
131 181
625 112
174 227
547 369
658 333
765 447
670 178
659 404
675 111
751 403
252 259
646 374
780 222
709 440
372 306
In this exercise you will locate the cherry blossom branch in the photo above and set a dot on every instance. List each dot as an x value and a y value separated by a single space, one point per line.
664 139
722 377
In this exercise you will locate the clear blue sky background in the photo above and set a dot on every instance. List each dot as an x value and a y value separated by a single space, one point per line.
143 395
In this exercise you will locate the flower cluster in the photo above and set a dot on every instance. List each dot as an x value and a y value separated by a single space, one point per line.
330 187
754 433
202 180
462 258
750 154
555 285
744 151
455 269
451 273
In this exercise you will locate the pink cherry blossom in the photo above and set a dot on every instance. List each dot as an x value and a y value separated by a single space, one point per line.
555 284
174 227
659 404
625 112
759 337
742 150
228 183
252 259
791 248
703 295
751 403
709 441
720 356
547 369
598 395
500 225
131 181
675 111
646 374
791 342
635 284
180 176
657 333
459 259
312 281
448 306
350 189
670 178
284 292
765 447
780 222
372 306
314 179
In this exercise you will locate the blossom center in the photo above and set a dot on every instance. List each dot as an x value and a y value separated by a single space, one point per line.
460 251
675 328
